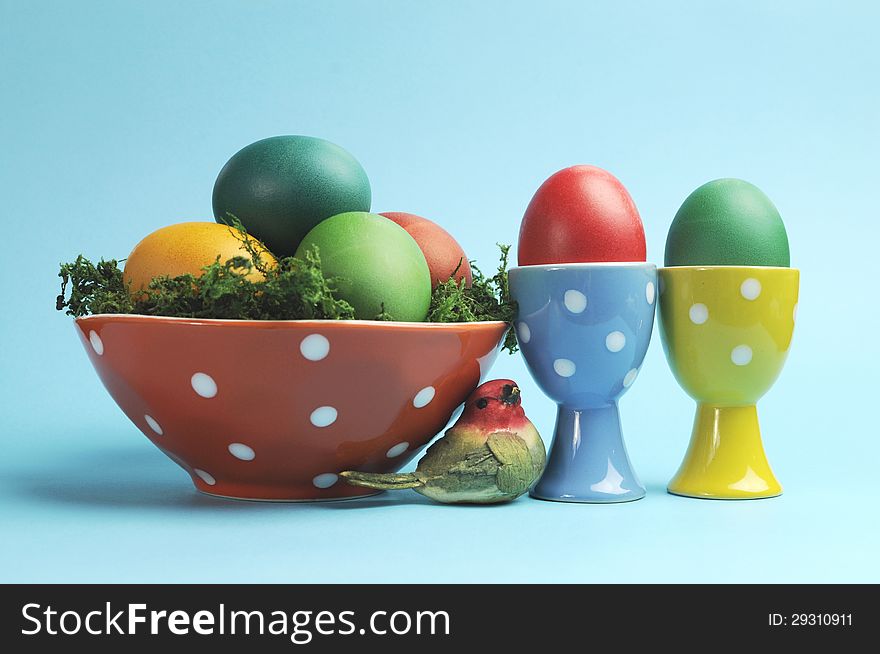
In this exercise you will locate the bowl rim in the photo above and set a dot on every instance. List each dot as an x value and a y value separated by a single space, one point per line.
360 324
586 265
727 267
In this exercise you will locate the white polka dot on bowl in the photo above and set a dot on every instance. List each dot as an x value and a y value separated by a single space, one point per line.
314 347
397 450
242 451
630 377
650 292
523 332
325 480
153 424
323 416
204 385
423 397
205 476
97 343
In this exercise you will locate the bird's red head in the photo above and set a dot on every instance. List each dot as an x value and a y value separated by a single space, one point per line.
496 404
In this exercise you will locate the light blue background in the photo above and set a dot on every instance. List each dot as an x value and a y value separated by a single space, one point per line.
116 117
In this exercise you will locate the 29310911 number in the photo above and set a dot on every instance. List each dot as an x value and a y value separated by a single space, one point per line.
810 620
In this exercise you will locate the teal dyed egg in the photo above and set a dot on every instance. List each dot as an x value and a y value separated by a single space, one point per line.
727 222
377 262
281 187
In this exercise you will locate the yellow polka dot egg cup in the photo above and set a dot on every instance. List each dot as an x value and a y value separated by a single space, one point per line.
726 331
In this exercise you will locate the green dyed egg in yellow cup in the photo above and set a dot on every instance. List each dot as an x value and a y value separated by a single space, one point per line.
728 301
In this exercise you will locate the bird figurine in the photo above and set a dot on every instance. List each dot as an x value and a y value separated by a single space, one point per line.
492 454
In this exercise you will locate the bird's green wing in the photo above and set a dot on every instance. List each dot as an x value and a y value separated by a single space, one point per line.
515 472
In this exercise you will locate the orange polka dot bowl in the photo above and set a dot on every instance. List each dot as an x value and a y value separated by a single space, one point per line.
274 410
727 331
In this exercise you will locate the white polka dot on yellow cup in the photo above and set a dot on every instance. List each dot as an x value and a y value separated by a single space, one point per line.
698 313
741 355
750 289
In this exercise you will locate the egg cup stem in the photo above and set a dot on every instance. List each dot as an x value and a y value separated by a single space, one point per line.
725 458
588 460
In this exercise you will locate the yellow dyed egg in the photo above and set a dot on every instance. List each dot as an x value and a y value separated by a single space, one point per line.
186 248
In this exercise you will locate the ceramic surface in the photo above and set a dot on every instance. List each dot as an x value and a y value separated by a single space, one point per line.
584 330
726 331
273 410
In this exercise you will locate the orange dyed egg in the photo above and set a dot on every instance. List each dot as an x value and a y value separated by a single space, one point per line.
186 248
442 252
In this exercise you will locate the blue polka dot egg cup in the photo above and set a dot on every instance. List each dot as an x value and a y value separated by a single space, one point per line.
584 330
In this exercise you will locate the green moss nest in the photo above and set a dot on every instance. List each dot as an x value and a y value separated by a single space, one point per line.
295 289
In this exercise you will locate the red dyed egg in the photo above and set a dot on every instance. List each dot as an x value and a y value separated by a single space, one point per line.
581 214
442 252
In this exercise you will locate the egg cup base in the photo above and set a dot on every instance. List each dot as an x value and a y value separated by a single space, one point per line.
617 499
587 462
725 459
